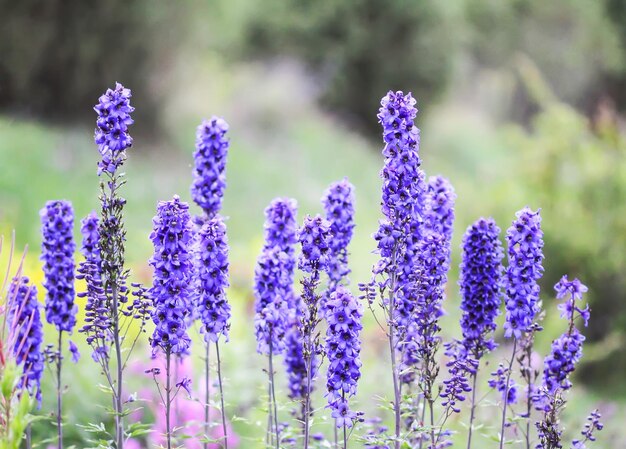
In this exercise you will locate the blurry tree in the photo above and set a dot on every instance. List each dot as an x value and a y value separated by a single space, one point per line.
362 48
573 42
58 56
575 168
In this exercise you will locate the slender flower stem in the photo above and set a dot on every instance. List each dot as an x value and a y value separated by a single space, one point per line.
336 436
219 377
273 395
59 394
29 443
506 393
345 437
392 350
307 397
431 409
473 409
168 399
207 396
119 418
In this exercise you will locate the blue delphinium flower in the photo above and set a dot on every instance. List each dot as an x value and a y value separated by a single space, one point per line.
209 179
271 307
525 253
26 332
173 266
565 353
313 236
295 365
592 425
57 253
338 201
480 284
274 274
499 380
212 305
439 210
111 133
343 348
97 319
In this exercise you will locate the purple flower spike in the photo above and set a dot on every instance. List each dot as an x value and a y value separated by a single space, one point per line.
173 269
212 306
525 250
480 283
338 201
57 254
111 134
26 330
343 348
209 179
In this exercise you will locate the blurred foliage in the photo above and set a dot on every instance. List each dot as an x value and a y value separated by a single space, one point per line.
362 46
58 56
575 168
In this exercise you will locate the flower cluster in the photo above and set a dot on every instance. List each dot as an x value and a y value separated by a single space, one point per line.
567 349
173 268
525 252
439 210
57 254
592 425
271 306
314 237
295 364
498 381
460 364
338 201
91 238
343 349
212 307
273 277
209 180
480 284
111 133
26 331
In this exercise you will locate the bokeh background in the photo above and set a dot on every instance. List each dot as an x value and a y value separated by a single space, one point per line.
521 103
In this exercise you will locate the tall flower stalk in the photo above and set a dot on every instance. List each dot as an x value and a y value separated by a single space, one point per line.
207 191
525 257
314 236
57 254
273 290
481 295
211 307
395 276
172 262
109 311
343 349
566 352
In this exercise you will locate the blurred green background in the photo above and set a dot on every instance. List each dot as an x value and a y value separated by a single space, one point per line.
521 103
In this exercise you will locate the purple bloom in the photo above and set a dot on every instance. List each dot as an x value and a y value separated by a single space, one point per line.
173 268
460 365
57 253
498 381
273 276
295 364
314 237
439 210
91 238
272 294
185 384
592 425
343 348
525 245
26 334
111 134
74 352
480 282
338 201
212 306
209 179
575 289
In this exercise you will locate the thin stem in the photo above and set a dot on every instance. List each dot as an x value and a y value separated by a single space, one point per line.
336 436
431 409
273 396
307 399
392 350
345 438
59 394
506 393
219 377
473 409
207 396
168 399
422 423
29 443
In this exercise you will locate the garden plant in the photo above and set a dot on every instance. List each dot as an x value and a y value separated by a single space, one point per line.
309 333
